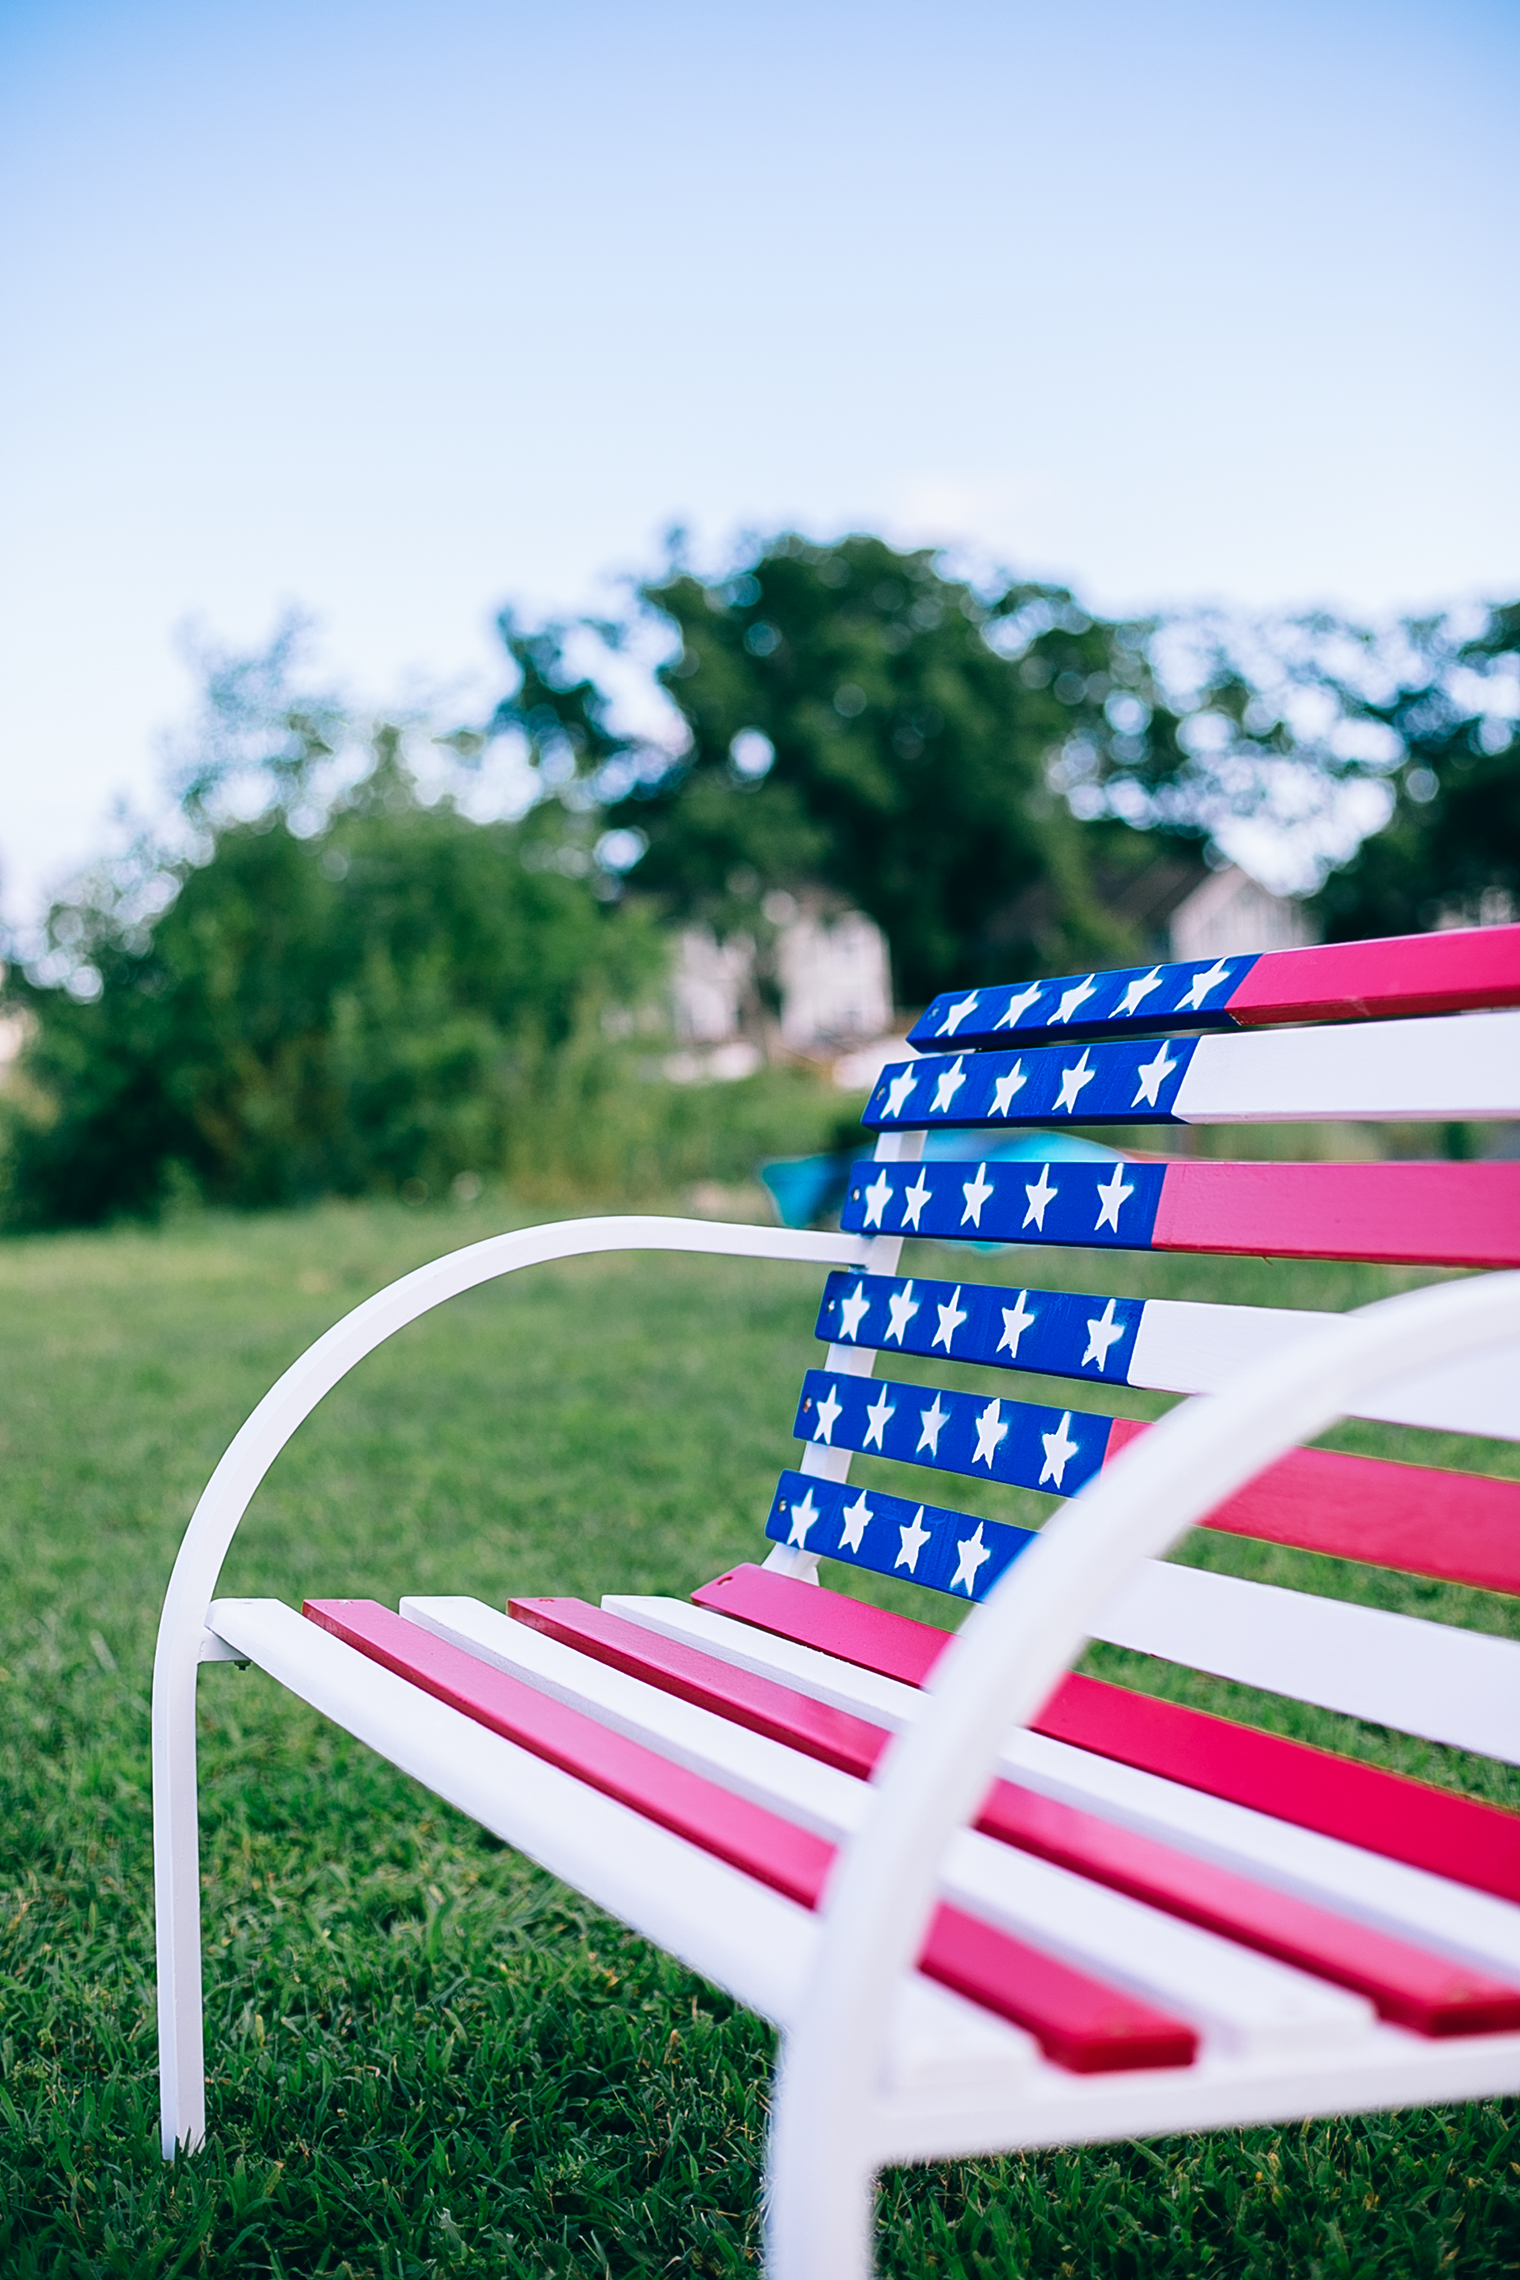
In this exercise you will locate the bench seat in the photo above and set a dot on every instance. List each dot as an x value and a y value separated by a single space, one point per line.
988 1900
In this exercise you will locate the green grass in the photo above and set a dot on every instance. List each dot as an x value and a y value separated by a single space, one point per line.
426 2057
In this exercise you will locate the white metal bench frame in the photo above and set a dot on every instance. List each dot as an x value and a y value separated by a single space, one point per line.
841 2111
184 1641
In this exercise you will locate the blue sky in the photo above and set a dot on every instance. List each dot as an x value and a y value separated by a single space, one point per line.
404 312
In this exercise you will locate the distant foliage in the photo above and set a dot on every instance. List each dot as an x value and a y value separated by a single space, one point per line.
1450 851
850 714
930 748
325 1002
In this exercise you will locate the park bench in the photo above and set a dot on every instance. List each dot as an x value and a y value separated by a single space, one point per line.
991 1902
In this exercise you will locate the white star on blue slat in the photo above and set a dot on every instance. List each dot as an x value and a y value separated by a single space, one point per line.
1041 1196
1102 1330
1073 998
1004 1087
1059 1450
913 1539
1152 1076
878 1417
976 1193
914 1199
826 1419
878 1196
854 1521
901 1307
1016 1320
1073 1081
950 1319
1115 1194
947 1085
931 1424
991 1433
898 1092
853 1309
1139 990
1203 985
803 1517
971 1554
1019 1003
956 1014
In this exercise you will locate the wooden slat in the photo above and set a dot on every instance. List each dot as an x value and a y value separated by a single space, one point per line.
719 1922
1412 1903
1240 2000
1414 1070
1415 1214
1170 1345
1025 1443
1409 1984
1449 972
1457 1215
1457 1527
1412 1821
1457 1687
1081 2022
893 1535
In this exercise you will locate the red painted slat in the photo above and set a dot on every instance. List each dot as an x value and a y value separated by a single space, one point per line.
779 1712
1089 2027
1383 1812
1454 1215
894 1645
1398 974
1080 2021
1409 1985
1457 1527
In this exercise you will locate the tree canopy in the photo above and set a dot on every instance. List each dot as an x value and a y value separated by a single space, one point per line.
308 1000
852 715
1450 850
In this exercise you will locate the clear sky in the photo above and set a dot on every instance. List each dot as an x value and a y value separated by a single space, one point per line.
404 311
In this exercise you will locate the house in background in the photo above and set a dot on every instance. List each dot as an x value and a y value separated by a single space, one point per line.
1181 907
832 977
832 971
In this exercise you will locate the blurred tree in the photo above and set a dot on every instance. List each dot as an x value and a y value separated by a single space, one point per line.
1450 850
853 716
314 1000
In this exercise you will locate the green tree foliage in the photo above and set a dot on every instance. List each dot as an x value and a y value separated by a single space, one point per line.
1450 851
851 715
314 1000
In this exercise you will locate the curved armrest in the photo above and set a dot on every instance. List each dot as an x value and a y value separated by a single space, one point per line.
182 1634
1008 1656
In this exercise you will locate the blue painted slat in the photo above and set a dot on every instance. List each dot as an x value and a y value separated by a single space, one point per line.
1133 1083
1022 1443
1059 1332
1113 1205
1193 995
948 1551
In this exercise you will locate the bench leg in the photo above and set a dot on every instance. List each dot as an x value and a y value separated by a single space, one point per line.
177 1908
820 2196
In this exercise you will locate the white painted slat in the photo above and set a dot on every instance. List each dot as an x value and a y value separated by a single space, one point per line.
1189 1346
744 1937
1235 1996
1447 1067
1447 1685
1391 2069
1410 1902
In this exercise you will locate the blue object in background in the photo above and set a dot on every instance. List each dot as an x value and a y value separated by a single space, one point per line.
806 1189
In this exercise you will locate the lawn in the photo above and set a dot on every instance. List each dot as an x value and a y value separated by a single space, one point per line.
426 2057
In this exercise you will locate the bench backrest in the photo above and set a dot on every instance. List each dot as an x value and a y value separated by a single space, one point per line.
1406 1030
